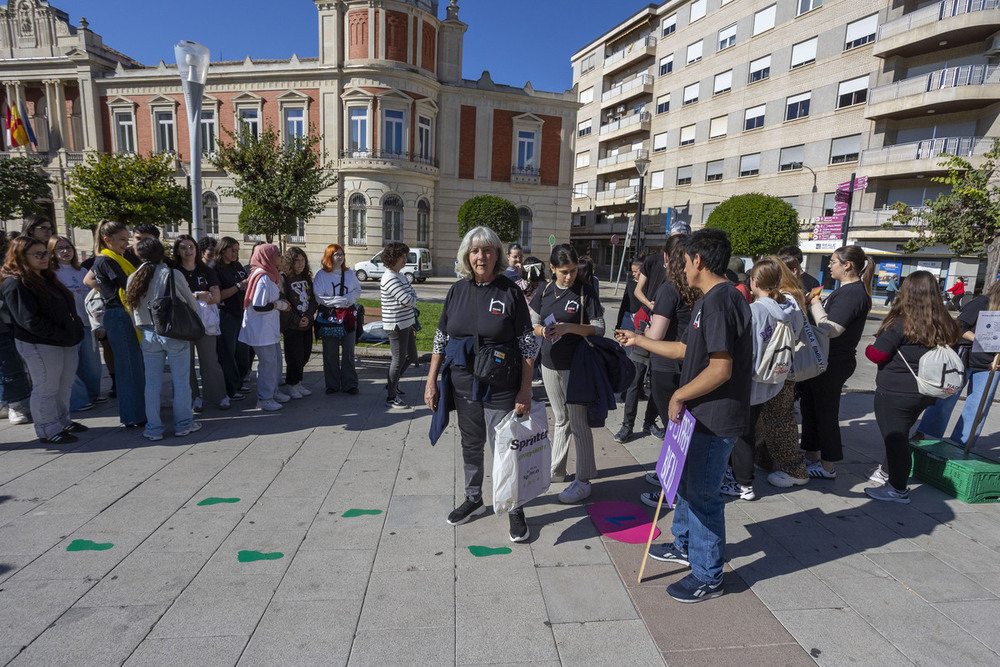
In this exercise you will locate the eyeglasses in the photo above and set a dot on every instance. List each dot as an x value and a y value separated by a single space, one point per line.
46 228
39 255
64 248
338 254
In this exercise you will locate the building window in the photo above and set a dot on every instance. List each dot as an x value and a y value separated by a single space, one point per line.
165 132
808 6
588 63
295 125
804 53
791 158
249 121
359 129
663 104
670 25
358 213
423 222
583 129
797 106
583 159
171 230
750 164
210 213
125 132
690 94
392 139
684 175
753 118
687 135
526 150
706 211
718 127
845 149
760 69
208 132
581 190
764 19
666 64
587 96
854 91
425 138
723 82
697 10
694 52
392 219
656 180
829 203
525 214
300 232
660 142
727 37
713 171
861 32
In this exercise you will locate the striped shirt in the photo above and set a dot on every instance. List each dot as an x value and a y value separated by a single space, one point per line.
399 301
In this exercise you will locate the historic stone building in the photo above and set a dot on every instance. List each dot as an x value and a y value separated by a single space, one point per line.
410 138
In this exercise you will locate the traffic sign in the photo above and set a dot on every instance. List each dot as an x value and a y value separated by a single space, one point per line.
552 239
614 239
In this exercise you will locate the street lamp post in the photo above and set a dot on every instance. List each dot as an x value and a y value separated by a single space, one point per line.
641 165
192 65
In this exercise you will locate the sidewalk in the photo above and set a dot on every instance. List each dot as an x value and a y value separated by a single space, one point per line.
816 574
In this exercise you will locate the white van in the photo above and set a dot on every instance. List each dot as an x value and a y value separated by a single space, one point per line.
418 266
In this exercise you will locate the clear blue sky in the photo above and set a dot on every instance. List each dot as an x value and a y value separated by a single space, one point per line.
516 40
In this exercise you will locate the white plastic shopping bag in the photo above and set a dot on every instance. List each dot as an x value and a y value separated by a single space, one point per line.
522 459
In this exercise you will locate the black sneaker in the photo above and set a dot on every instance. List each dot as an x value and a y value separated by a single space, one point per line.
654 431
519 531
237 396
624 434
60 438
466 511
396 403
75 427
651 499
668 553
691 589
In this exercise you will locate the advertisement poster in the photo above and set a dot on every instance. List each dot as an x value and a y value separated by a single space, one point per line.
886 269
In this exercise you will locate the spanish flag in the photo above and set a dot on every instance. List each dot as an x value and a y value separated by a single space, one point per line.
16 134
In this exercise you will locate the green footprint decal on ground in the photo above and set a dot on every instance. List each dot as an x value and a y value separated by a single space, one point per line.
250 556
480 552
87 545
216 501
355 512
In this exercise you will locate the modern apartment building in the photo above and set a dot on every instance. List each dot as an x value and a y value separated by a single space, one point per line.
410 138
785 97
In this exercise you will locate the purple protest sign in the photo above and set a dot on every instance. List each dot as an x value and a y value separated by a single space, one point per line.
670 465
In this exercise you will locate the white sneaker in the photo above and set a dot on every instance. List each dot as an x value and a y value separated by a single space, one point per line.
783 480
18 413
195 426
736 489
269 405
575 492
302 390
293 391
281 398
879 476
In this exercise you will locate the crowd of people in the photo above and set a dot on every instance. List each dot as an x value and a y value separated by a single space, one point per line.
697 325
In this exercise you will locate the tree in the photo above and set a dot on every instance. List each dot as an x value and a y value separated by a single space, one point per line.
278 184
493 212
757 224
967 219
126 188
22 184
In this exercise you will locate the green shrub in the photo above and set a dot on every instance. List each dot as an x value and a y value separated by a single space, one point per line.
490 211
757 224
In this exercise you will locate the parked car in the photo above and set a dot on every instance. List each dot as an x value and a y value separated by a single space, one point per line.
418 266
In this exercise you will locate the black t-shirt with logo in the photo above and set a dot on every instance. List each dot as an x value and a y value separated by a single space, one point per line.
894 376
848 306
721 322
200 279
110 278
231 275
809 283
670 304
496 308
565 305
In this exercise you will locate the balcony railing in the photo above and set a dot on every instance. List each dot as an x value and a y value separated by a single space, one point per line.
953 77
617 193
631 156
625 122
637 82
623 53
927 149
879 217
381 154
525 175
933 14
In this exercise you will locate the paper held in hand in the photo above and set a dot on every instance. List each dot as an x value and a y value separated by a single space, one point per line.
987 332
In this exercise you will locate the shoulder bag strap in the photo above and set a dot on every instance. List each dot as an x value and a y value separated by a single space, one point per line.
475 320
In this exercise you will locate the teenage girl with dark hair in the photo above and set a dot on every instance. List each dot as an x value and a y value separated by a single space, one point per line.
297 321
234 356
563 312
14 386
841 317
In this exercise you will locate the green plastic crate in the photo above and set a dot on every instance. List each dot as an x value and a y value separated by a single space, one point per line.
970 478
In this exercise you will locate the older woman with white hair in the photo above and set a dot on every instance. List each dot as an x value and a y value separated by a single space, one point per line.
487 305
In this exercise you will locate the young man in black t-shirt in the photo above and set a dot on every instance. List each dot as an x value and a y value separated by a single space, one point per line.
715 388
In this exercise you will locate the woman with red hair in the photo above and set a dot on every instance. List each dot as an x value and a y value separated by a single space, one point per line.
336 288
262 324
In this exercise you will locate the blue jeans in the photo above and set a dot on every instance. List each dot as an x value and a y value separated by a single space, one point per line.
699 527
87 386
129 374
268 370
155 350
14 386
935 419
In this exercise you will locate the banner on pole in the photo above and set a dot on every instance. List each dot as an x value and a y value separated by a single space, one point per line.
670 465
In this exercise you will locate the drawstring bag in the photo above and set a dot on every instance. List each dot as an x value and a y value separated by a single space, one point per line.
940 373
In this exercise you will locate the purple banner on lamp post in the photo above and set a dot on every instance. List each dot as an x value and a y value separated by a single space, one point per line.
670 465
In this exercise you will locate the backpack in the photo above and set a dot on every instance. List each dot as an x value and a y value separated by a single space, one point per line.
776 360
941 372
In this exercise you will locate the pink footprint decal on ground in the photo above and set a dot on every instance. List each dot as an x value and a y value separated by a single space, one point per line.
621 521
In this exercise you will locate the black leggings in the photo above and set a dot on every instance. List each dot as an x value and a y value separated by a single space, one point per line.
896 414
821 409
298 348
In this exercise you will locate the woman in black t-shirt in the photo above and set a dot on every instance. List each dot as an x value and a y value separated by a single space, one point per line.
234 356
487 302
841 317
916 323
563 312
